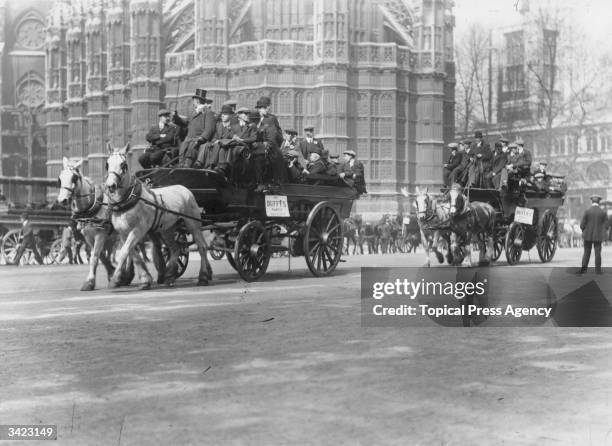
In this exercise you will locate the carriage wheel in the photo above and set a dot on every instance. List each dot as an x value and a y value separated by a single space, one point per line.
54 252
216 254
323 240
498 244
230 260
547 240
514 243
252 251
180 237
10 242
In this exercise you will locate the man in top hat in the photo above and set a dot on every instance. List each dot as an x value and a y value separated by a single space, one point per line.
481 157
200 128
309 144
163 138
454 160
594 225
271 136
351 171
26 240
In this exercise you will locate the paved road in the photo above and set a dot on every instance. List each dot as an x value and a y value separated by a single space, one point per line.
285 361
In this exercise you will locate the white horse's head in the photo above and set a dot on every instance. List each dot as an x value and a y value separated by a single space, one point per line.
118 169
423 202
68 180
456 198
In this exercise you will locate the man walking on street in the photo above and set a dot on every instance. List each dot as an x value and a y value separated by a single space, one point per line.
27 240
594 224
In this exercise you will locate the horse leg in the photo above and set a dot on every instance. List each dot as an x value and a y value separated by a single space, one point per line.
436 242
468 250
140 263
205 274
158 259
98 245
130 241
427 246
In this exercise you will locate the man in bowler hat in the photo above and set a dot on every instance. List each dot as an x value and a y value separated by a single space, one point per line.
594 224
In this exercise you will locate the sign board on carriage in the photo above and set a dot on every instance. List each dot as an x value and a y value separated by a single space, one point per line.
406 220
277 206
523 215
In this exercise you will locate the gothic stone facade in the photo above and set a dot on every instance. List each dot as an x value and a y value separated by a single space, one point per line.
373 76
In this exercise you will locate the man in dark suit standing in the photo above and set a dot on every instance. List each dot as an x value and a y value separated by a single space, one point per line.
200 129
163 138
309 144
271 135
500 160
481 156
594 224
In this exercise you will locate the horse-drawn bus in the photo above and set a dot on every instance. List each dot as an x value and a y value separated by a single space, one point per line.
250 226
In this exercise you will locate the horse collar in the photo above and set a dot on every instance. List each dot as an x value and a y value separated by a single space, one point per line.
129 201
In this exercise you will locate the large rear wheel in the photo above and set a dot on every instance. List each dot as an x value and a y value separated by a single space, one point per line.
514 243
252 251
548 236
323 240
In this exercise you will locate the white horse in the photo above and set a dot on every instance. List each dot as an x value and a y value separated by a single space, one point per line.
431 214
89 207
138 210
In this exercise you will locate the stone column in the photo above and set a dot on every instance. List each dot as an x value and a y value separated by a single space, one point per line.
57 124
77 73
97 100
145 70
117 90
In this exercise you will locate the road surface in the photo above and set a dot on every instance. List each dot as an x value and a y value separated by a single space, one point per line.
285 361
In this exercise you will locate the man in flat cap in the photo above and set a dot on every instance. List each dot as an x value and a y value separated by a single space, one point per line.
163 138
271 136
352 172
216 154
200 128
594 225
454 160
459 174
309 144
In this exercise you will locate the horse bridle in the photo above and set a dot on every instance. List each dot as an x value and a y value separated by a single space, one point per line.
428 207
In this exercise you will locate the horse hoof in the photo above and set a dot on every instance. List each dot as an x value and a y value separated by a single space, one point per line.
113 284
202 282
160 280
170 284
145 286
440 257
88 286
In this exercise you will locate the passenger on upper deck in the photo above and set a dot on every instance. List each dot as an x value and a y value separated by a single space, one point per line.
460 173
352 172
481 156
272 138
163 137
309 144
216 153
453 161
200 128
523 159
500 159
291 143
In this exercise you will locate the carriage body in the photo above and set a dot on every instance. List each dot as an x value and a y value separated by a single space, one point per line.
522 225
250 226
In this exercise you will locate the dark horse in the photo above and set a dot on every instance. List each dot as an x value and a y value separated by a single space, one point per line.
469 219
351 228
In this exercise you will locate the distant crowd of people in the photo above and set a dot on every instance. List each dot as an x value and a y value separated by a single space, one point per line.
246 146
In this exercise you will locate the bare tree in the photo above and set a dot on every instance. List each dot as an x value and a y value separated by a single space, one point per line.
471 58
